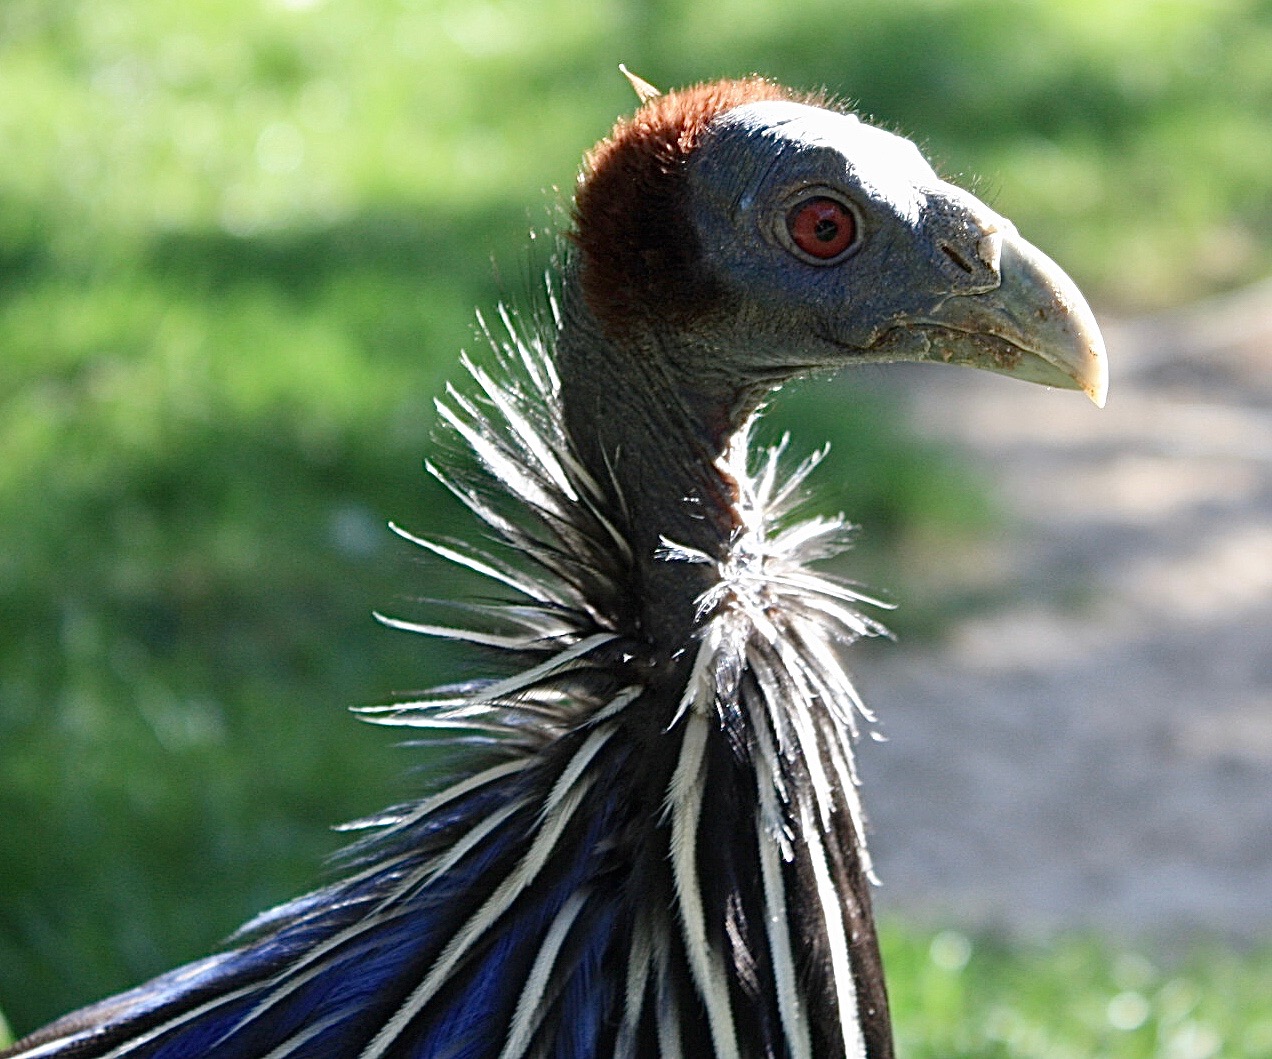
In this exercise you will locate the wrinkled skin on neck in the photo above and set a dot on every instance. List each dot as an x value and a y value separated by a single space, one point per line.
651 425
657 376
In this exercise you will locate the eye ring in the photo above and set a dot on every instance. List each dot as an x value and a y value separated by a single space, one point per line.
819 227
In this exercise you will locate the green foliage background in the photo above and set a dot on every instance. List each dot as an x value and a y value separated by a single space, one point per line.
240 244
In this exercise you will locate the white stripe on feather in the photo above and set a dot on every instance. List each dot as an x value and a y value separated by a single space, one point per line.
299 1039
618 703
525 586
699 688
684 799
639 965
842 761
435 867
803 725
173 1024
407 719
481 921
529 435
509 469
521 681
454 632
472 500
670 1044
776 920
458 790
574 769
384 912
837 940
530 1005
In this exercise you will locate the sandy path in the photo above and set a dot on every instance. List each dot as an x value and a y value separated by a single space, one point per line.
1098 749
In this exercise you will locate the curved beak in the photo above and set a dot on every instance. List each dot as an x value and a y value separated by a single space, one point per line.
1035 325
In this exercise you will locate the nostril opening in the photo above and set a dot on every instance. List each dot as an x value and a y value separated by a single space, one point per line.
957 258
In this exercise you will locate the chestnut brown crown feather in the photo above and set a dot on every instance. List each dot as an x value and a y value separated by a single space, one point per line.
640 258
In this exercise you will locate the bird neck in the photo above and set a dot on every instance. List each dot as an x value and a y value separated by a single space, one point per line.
655 437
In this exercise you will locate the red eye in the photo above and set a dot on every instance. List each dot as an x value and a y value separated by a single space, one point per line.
822 227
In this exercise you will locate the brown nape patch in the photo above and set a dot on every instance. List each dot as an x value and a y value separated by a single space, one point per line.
640 260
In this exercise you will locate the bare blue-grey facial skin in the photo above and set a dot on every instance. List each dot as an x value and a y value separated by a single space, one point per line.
934 273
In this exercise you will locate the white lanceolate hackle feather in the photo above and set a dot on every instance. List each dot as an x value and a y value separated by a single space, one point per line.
767 656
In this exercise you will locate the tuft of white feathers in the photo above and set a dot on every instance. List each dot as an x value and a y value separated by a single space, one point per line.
767 668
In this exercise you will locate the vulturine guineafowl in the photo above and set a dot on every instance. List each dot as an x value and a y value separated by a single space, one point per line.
656 846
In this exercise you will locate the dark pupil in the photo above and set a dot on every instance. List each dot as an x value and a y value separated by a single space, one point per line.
826 230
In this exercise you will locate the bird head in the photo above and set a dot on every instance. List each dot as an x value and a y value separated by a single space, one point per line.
762 235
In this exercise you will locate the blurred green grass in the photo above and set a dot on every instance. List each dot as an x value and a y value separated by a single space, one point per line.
240 245
1072 998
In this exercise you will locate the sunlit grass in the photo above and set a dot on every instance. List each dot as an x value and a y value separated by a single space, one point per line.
955 996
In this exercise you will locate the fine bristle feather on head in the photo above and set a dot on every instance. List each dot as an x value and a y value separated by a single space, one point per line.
639 256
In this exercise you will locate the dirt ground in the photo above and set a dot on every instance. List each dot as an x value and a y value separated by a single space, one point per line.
1096 750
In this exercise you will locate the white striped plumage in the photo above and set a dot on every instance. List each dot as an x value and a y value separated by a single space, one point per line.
769 643
764 677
